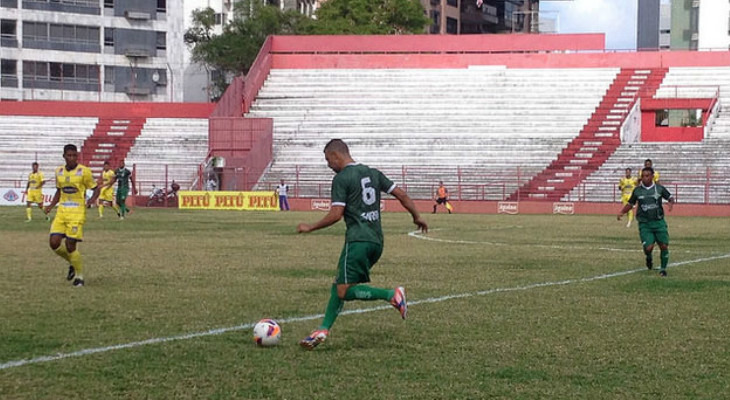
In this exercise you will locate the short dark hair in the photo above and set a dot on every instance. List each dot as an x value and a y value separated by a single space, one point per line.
337 145
648 160
107 162
650 169
69 147
628 169
34 163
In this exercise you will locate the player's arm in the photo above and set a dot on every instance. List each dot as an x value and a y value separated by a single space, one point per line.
94 196
54 201
668 197
134 184
408 204
335 214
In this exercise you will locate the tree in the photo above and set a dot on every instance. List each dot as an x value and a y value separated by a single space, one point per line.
234 51
369 17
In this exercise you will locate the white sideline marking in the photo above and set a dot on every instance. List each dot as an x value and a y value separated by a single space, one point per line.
419 235
212 332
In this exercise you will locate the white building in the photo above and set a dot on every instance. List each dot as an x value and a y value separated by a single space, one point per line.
92 50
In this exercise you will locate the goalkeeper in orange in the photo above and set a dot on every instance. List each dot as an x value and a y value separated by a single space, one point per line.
442 197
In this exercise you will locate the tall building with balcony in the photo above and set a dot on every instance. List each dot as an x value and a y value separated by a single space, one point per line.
683 25
493 16
91 50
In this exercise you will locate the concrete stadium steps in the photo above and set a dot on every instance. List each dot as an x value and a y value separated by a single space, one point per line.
111 141
598 139
684 168
26 139
181 144
492 119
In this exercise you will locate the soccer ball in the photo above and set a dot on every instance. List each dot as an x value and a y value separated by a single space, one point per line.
266 333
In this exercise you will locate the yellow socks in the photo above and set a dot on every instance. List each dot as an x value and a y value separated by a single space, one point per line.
101 210
29 213
63 253
75 260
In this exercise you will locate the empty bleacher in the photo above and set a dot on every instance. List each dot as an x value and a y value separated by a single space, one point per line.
695 172
475 126
26 139
179 143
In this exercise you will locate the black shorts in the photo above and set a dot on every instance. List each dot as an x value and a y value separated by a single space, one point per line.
442 200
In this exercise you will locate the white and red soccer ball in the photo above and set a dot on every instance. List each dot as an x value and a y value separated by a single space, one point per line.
267 333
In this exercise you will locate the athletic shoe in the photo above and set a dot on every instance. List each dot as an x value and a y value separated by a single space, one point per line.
78 282
314 339
649 264
663 273
71 273
399 301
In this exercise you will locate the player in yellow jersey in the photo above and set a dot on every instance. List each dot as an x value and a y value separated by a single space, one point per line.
626 185
34 192
106 195
72 181
649 164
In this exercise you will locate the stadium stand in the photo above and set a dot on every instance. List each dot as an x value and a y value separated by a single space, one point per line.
485 125
695 172
26 139
180 144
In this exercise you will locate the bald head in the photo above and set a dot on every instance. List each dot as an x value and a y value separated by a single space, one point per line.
337 146
337 154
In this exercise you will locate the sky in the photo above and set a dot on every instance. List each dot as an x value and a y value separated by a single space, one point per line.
615 18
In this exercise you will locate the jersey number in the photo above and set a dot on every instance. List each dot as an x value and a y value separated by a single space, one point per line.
368 193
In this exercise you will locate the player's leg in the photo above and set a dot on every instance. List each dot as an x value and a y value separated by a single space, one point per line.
57 234
662 238
646 233
625 201
121 202
74 235
286 203
100 205
28 211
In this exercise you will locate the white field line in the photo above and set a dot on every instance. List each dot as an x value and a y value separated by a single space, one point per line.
218 331
419 235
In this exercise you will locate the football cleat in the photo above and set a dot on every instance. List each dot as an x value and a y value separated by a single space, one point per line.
71 273
649 263
663 273
399 301
78 282
314 339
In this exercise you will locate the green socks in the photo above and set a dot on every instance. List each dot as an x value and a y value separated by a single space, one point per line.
367 293
357 292
664 255
334 306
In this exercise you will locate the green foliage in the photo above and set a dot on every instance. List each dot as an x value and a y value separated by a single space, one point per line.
164 273
368 17
234 51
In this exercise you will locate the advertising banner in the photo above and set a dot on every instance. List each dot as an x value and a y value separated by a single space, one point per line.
564 208
321 204
200 200
18 197
508 207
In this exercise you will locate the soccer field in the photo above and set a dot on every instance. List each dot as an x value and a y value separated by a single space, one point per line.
501 306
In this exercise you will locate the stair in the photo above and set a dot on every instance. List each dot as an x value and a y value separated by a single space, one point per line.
111 141
598 139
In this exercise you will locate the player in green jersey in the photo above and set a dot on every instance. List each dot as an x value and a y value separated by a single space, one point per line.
123 177
650 214
356 197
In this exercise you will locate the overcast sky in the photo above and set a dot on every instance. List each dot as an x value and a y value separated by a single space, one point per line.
615 18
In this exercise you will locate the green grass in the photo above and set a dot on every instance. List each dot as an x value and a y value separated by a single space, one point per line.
164 273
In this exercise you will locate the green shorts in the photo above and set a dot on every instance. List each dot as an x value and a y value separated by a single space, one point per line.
653 231
122 193
356 260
